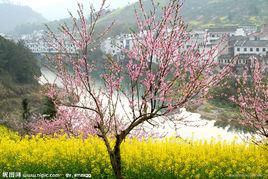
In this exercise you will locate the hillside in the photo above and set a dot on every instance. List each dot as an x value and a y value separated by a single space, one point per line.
225 12
198 13
17 63
13 15
18 69
204 13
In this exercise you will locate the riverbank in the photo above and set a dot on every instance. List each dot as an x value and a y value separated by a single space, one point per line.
224 115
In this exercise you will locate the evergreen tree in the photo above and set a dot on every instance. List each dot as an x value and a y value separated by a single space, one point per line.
25 115
49 110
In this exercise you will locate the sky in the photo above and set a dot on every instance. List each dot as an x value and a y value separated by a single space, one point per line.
57 9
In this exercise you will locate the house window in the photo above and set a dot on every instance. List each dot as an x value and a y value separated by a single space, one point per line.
238 49
251 49
212 41
245 49
257 49
264 49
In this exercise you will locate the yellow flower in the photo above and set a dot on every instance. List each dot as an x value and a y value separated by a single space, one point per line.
169 156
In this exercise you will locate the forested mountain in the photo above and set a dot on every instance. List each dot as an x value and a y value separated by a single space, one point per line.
198 13
204 13
225 12
13 15
17 63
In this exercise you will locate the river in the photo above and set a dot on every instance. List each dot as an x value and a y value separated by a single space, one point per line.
196 128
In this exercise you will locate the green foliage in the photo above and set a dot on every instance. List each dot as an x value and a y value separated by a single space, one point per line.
17 63
198 13
12 108
225 12
25 109
25 116
18 86
48 108
221 108
222 93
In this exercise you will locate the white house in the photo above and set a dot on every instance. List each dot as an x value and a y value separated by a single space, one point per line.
41 47
249 29
261 35
215 34
251 47
195 38
114 46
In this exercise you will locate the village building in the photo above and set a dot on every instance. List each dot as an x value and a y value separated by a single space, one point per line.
251 47
43 47
215 34
261 35
249 29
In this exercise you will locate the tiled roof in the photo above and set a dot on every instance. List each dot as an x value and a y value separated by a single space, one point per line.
262 33
235 39
223 29
252 43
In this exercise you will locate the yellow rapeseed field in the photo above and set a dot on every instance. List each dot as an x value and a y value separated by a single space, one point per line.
153 158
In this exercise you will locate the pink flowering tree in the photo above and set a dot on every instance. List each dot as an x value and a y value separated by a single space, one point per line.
67 121
161 75
253 100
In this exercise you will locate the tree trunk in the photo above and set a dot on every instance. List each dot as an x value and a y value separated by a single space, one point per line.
115 157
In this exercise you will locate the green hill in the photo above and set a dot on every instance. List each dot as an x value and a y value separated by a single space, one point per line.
205 13
18 69
17 63
225 12
197 13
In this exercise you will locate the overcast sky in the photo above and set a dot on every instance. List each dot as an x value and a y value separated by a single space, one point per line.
57 9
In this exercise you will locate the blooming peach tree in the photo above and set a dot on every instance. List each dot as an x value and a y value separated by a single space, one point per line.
252 99
161 75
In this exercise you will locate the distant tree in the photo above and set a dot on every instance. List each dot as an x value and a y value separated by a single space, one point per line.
49 110
26 110
25 114
227 88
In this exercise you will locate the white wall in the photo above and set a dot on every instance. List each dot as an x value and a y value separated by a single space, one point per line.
250 50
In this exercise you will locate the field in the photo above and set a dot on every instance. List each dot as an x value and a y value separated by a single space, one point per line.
153 158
